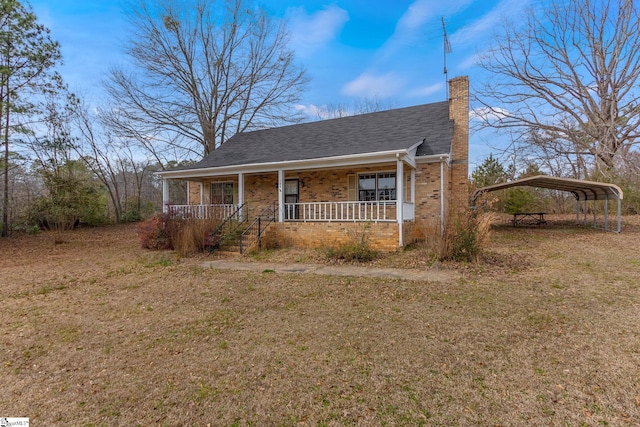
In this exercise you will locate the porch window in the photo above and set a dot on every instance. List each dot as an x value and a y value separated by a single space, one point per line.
377 187
222 193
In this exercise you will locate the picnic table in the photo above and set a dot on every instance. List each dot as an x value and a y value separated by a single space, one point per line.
529 218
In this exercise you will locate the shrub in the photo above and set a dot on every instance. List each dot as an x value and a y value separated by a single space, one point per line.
469 235
464 239
357 249
73 197
153 233
188 236
134 210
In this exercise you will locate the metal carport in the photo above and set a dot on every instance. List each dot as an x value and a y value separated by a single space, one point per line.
582 190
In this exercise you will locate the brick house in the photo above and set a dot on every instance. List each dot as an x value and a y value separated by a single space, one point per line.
391 172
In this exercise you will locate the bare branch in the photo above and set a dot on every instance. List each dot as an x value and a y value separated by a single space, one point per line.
205 69
567 79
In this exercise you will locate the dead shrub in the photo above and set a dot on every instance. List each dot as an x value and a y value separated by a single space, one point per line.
434 241
270 240
464 239
185 236
188 235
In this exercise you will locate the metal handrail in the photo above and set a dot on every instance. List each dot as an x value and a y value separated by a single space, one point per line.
255 230
212 239
238 215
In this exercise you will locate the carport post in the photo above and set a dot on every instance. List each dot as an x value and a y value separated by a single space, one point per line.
606 214
594 212
619 209
584 215
577 211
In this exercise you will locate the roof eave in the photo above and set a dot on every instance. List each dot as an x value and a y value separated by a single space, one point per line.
432 158
319 163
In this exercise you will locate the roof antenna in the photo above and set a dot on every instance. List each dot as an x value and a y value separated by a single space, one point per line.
446 49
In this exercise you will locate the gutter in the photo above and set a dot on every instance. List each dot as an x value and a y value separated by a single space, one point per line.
324 162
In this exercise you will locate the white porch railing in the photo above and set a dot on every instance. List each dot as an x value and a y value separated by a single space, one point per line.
201 211
341 211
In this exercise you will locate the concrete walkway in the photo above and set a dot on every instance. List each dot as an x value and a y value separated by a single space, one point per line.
335 270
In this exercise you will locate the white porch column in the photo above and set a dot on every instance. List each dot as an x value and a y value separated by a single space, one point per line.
201 194
280 195
400 198
241 192
165 195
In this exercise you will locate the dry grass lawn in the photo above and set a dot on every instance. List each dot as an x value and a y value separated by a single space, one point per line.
544 332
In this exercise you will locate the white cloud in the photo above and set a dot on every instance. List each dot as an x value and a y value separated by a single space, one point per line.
485 25
416 15
310 32
427 90
310 110
470 61
420 18
368 85
488 114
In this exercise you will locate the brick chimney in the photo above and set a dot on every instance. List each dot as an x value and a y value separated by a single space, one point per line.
459 161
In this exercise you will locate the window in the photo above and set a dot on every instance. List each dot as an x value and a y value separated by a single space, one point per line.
222 193
377 186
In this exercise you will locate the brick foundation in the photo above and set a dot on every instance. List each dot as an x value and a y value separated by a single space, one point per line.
380 236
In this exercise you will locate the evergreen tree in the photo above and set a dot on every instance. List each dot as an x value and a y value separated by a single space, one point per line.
490 172
27 59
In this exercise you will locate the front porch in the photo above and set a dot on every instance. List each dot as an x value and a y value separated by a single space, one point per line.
374 192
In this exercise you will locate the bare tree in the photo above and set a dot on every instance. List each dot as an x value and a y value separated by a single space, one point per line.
204 70
116 162
359 106
566 80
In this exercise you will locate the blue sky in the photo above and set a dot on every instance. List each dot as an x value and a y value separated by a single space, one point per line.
391 50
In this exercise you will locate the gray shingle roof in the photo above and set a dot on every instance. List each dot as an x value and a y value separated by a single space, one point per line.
375 132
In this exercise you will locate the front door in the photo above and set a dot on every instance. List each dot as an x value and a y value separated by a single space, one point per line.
291 198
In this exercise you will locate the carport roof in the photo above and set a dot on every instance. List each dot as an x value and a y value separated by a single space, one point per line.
581 189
